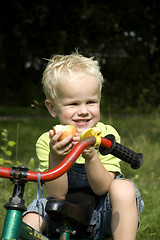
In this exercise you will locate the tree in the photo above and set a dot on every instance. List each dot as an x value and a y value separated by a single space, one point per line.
123 35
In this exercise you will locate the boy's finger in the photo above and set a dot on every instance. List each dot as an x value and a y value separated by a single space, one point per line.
74 143
55 137
66 140
51 133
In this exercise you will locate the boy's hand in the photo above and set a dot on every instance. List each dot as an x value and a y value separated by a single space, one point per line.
59 149
89 152
76 139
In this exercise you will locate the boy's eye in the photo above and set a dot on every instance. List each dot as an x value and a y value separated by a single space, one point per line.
73 104
91 102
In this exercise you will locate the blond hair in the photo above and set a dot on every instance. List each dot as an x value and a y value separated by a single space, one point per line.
62 67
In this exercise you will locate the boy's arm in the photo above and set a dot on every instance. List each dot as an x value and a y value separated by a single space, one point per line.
58 188
99 178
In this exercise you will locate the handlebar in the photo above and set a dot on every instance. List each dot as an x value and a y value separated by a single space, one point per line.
118 150
108 145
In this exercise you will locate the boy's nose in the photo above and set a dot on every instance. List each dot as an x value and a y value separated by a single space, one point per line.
83 109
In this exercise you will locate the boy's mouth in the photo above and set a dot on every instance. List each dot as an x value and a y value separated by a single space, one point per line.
81 122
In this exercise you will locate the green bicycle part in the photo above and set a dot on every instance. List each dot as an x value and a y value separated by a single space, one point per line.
65 232
29 233
12 225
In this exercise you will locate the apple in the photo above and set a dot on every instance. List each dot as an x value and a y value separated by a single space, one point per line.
67 130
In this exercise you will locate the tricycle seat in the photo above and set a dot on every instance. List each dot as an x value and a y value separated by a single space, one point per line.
78 206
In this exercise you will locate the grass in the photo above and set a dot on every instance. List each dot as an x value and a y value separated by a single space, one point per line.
140 133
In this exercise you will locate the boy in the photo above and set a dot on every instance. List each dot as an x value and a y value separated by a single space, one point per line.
72 86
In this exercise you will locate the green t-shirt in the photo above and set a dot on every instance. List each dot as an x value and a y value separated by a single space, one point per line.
110 162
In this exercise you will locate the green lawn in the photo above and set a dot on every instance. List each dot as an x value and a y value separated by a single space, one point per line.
140 133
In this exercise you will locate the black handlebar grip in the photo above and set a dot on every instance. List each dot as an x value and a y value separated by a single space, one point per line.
127 155
124 153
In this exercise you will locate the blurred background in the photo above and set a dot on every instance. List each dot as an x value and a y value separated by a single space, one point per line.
123 36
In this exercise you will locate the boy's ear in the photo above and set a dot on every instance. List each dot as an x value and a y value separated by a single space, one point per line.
50 108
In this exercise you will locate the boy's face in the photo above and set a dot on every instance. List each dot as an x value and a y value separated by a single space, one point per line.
78 102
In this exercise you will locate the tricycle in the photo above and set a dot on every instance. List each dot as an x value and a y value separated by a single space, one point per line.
77 207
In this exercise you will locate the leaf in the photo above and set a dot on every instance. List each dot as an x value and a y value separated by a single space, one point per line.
11 143
7 161
1 161
18 163
3 148
8 153
4 132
